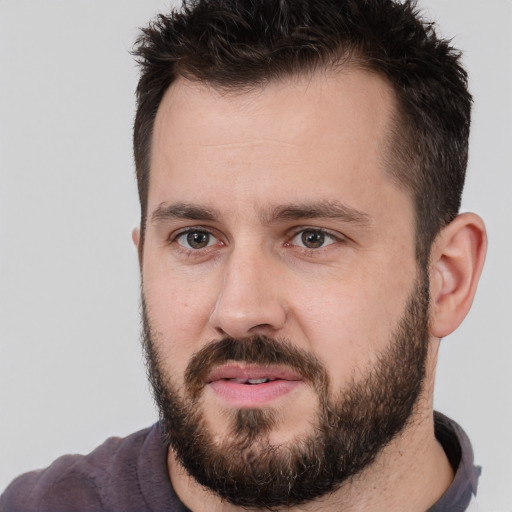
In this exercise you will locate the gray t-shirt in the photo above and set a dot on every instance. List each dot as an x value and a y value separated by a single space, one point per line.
130 475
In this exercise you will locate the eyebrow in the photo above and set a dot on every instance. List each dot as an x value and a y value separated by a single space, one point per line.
322 209
182 211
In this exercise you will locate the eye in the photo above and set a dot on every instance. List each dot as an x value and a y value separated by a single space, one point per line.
196 239
313 239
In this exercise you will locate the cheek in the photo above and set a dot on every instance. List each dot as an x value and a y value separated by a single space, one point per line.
338 331
350 322
178 311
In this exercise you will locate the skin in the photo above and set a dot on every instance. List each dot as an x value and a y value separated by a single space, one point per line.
247 157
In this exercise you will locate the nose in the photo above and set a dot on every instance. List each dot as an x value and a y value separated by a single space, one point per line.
250 298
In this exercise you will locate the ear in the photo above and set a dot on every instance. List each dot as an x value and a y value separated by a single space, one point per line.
136 237
137 242
456 262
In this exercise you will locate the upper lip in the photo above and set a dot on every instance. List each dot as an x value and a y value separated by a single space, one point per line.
245 372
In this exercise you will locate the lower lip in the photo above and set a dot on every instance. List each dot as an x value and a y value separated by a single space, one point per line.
252 395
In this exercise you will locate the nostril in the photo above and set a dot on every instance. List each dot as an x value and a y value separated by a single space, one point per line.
262 329
221 332
244 308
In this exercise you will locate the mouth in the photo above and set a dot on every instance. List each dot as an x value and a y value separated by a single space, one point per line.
252 374
261 380
250 386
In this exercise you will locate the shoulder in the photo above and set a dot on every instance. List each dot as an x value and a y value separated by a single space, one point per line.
79 482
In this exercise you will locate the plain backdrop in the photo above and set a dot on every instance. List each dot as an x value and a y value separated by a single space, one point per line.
71 371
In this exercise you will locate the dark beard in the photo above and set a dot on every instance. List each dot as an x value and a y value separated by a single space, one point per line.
352 426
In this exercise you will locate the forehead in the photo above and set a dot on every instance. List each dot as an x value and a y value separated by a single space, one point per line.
304 105
301 135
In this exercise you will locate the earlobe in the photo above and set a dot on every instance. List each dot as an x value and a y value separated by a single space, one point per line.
457 259
136 237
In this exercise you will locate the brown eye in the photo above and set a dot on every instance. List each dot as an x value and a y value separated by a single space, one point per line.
313 239
196 239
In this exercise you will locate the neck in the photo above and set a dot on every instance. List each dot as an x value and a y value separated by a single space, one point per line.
411 473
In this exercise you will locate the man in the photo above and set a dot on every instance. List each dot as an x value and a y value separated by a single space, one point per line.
300 167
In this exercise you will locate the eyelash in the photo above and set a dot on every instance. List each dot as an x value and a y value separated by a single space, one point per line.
317 232
327 235
192 230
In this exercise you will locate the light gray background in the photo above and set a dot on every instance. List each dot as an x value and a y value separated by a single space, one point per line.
70 364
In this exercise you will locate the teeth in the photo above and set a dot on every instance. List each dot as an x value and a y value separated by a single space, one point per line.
261 380
257 381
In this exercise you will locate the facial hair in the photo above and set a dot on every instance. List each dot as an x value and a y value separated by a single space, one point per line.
352 426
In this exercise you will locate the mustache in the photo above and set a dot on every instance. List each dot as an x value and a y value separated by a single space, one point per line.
259 350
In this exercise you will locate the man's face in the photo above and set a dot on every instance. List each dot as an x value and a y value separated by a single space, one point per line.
279 273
